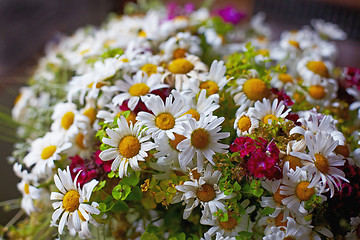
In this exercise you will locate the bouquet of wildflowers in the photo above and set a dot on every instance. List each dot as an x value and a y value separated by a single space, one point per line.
190 124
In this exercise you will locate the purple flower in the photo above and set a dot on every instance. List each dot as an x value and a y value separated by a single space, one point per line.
174 10
230 14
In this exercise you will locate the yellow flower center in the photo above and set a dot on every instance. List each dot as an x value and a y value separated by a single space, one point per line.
289 238
317 92
91 114
279 197
98 85
179 53
343 150
210 86
279 222
18 97
244 123
139 89
81 216
26 188
298 97
142 33
149 69
200 138
84 51
321 163
255 89
206 193
228 225
270 117
79 140
176 141
131 118
67 120
293 161
303 192
125 60
318 67
165 121
285 78
195 174
263 51
294 44
109 42
180 66
129 146
71 201
195 114
48 152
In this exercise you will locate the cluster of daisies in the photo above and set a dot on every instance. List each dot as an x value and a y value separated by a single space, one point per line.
137 130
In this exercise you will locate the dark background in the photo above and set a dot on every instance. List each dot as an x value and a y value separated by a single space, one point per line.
26 25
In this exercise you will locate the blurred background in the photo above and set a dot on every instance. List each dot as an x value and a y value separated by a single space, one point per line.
26 26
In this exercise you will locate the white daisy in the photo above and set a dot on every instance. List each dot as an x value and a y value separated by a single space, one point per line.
321 93
328 29
28 191
82 143
232 226
249 91
296 192
281 80
168 148
322 161
245 124
313 69
203 190
67 119
44 151
354 234
71 202
293 230
181 70
267 112
356 104
134 88
202 139
274 201
167 118
128 146
201 104
318 123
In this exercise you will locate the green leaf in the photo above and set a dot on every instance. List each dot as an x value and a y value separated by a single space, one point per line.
237 187
244 235
267 211
111 174
119 206
135 194
121 191
131 180
148 236
100 185
181 236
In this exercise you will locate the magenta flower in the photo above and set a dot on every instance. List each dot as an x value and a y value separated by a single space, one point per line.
174 10
230 15
259 158
352 77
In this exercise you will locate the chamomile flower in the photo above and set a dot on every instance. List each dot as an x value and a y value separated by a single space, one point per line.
218 236
181 70
321 93
329 30
167 118
318 123
274 201
82 143
203 191
322 162
354 234
214 81
202 140
356 104
296 192
168 148
202 104
245 124
281 80
136 87
44 151
313 69
67 119
20 108
128 145
249 91
29 192
232 226
71 202
267 112
293 230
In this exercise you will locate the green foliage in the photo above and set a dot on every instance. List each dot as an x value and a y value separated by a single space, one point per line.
244 235
148 236
254 188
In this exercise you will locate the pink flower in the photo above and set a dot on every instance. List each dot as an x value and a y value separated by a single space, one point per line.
230 14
